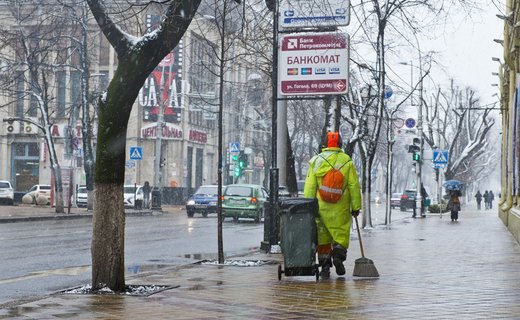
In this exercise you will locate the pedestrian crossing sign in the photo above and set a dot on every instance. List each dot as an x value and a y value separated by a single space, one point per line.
440 157
136 153
234 147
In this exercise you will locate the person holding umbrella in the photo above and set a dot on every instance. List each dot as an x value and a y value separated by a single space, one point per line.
454 204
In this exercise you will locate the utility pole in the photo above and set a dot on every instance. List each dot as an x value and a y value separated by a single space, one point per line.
420 133
271 217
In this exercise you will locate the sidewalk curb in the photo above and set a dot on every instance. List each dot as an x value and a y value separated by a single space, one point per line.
70 216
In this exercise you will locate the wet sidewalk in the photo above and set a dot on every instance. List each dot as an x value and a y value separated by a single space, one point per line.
431 268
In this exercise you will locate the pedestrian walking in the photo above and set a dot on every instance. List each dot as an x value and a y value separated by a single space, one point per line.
491 198
454 204
478 198
424 196
146 194
333 180
486 199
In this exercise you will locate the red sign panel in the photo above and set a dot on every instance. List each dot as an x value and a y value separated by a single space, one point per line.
313 64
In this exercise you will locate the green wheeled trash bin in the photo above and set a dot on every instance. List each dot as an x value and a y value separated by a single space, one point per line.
298 237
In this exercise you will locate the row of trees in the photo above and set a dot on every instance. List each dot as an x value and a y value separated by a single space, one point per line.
453 117
365 111
35 56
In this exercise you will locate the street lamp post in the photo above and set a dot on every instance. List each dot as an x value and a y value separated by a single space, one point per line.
271 217
421 143
419 199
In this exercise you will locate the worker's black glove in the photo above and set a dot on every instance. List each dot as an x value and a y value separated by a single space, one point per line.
355 213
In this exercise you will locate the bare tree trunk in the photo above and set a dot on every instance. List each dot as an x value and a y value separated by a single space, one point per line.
108 265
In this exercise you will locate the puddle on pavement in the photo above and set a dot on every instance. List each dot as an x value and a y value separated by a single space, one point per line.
202 256
135 269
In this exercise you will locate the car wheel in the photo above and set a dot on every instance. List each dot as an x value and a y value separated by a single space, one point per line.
11 202
205 214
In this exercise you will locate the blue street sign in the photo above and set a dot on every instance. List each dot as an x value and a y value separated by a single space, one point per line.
388 92
234 147
409 123
136 153
440 157
130 163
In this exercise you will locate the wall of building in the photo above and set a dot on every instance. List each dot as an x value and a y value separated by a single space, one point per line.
189 142
509 205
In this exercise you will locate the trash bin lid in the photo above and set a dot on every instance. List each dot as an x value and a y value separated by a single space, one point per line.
292 205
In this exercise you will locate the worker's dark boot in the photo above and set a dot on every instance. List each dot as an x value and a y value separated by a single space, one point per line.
339 254
325 265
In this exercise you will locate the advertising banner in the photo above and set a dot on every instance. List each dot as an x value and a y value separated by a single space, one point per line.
313 64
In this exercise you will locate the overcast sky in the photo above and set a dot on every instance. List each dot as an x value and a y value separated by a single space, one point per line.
466 49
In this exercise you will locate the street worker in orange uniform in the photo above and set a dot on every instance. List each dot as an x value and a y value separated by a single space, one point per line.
337 204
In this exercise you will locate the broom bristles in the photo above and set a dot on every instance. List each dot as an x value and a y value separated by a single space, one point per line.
365 267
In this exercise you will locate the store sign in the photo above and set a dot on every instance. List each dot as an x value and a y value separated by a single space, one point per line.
313 64
60 130
198 136
169 132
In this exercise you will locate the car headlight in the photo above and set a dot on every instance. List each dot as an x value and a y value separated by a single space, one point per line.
190 202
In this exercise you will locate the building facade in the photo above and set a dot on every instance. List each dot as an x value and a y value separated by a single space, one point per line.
509 205
173 128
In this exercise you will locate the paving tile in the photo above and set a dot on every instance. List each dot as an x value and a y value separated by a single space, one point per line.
430 269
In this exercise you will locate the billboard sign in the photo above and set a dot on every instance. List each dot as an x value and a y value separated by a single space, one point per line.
164 86
313 64
314 14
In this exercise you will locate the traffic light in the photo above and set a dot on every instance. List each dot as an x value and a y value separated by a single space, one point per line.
237 171
242 160
415 149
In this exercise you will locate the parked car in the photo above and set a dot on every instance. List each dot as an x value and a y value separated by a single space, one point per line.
6 192
81 196
395 200
244 201
133 193
40 190
408 199
203 201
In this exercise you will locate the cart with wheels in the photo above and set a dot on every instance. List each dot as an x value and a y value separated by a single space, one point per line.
298 237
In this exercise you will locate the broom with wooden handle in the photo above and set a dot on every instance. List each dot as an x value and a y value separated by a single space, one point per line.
364 267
